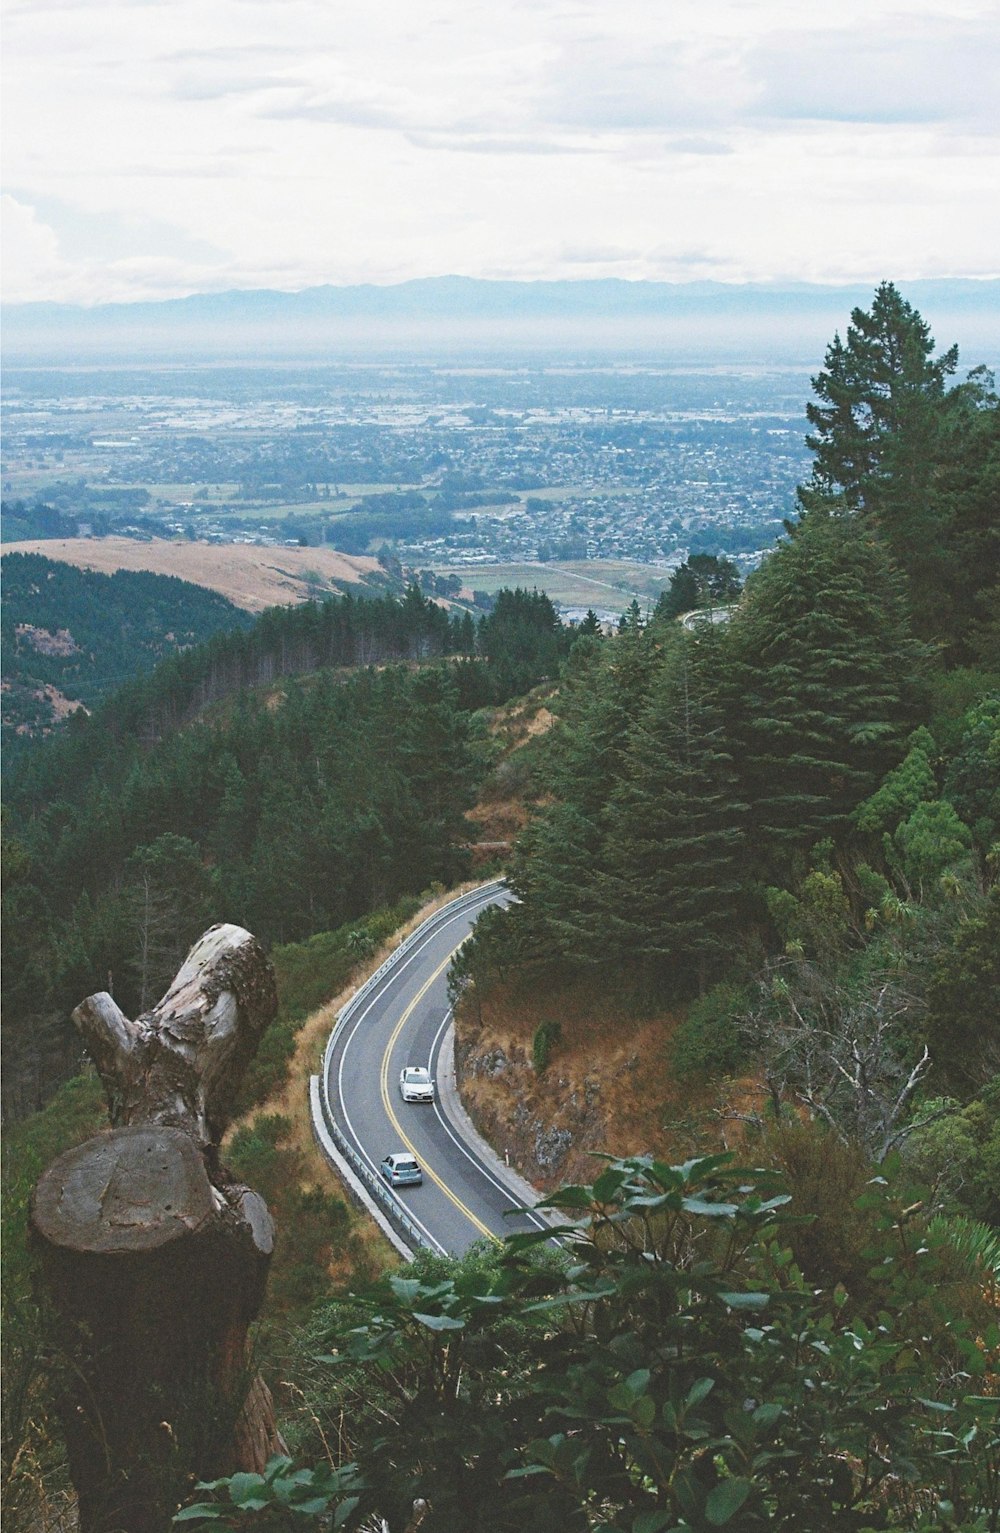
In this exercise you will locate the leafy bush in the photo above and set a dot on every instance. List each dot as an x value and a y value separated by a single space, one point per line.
709 1042
547 1035
280 1498
310 1223
33 1460
672 1370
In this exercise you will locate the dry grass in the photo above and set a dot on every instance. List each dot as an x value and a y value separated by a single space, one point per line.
249 576
608 1082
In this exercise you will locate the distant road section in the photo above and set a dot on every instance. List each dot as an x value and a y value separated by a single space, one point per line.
250 575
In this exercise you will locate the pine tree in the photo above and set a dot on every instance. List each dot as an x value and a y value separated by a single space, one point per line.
436 763
877 398
674 843
824 683
959 592
559 859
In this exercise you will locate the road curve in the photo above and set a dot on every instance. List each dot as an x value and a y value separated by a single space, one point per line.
401 1019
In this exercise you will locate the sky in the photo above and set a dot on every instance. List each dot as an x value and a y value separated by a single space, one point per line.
155 148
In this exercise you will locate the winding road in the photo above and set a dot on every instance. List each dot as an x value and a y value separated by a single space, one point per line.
400 1018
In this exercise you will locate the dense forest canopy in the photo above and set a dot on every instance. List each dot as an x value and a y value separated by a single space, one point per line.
293 776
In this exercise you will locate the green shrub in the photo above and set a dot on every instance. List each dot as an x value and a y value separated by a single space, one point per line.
33 1471
545 1039
310 1222
710 1042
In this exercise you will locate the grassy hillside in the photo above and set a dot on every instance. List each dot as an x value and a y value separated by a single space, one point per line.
251 577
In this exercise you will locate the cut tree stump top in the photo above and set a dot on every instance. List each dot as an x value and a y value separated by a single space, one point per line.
125 1191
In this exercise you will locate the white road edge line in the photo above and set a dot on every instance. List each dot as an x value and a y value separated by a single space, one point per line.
519 1206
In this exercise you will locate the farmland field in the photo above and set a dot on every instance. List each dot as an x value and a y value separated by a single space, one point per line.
609 584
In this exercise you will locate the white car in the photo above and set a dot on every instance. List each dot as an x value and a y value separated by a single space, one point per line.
415 1084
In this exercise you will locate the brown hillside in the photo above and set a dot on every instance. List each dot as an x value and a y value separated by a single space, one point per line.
250 576
608 1085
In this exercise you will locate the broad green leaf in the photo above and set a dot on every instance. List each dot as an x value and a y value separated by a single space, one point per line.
244 1487
745 1300
726 1499
440 1322
709 1210
652 1522
607 1184
344 1511
405 1289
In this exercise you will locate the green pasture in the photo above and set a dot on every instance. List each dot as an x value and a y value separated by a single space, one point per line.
607 583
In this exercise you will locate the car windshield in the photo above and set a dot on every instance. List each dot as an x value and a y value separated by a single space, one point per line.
404 1162
415 1073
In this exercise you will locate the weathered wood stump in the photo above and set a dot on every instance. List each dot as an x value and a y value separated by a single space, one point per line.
156 1259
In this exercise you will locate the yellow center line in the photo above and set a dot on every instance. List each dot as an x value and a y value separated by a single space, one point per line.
386 1103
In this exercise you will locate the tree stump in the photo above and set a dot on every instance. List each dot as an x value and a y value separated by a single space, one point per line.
155 1258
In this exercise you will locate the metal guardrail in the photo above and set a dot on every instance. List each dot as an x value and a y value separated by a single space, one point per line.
371 1180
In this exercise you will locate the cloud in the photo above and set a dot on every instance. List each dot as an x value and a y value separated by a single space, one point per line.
243 141
926 74
219 88
341 111
107 235
622 85
31 258
467 141
693 145
594 255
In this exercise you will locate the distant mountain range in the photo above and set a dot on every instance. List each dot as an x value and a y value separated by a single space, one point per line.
748 321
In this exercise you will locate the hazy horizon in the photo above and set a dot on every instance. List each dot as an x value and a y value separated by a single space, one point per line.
156 150
752 323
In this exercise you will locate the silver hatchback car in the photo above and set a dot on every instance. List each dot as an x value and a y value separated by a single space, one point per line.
401 1171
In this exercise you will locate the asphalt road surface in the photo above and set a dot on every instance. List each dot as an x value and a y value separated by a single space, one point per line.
402 1021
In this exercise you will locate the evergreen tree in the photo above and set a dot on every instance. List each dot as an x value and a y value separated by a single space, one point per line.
957 570
701 580
877 396
435 761
824 683
523 640
673 849
169 903
557 862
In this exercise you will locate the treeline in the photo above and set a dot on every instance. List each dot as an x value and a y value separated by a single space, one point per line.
289 811
281 642
790 823
22 519
87 633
